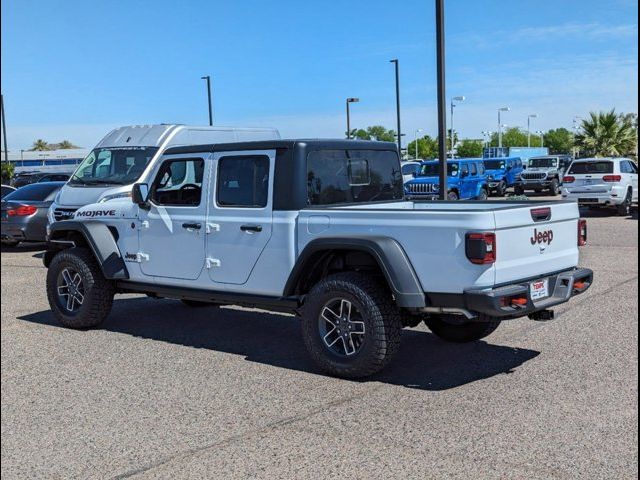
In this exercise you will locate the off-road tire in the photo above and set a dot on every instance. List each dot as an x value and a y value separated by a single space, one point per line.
197 303
381 318
518 190
501 189
554 189
453 196
461 332
98 291
484 196
624 209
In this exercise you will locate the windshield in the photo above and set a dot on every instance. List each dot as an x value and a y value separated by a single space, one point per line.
353 176
409 168
543 162
494 164
591 167
113 166
433 169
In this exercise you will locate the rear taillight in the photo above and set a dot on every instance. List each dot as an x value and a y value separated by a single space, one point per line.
22 211
568 179
582 232
612 178
481 248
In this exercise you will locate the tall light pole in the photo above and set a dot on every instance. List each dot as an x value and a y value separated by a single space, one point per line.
208 79
453 136
397 68
575 134
350 100
4 129
541 133
529 117
416 142
500 110
442 100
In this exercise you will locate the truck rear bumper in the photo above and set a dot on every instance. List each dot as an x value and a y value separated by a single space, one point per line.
513 301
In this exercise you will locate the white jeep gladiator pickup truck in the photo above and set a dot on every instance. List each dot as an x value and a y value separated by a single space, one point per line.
319 228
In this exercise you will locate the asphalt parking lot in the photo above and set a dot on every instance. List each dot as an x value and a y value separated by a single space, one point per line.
164 391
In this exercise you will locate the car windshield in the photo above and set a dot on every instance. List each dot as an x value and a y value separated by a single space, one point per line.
591 167
543 162
409 168
113 166
494 164
433 169
36 192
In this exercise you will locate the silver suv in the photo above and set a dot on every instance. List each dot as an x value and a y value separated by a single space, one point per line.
543 173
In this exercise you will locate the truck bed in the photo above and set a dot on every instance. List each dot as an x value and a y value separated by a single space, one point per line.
432 234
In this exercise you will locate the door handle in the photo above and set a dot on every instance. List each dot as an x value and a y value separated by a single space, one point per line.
251 228
192 226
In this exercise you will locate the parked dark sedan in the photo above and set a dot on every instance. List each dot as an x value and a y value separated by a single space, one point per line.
24 213
23 179
6 190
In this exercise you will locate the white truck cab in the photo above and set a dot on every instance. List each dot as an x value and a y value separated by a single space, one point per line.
126 153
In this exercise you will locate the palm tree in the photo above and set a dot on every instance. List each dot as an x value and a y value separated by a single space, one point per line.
66 144
40 145
606 134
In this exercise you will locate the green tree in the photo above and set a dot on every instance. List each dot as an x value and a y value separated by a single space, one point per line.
606 134
7 172
515 137
66 144
559 140
40 145
427 148
468 148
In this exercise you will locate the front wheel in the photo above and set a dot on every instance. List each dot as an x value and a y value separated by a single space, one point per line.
448 328
554 189
518 190
501 190
453 196
483 195
350 325
78 293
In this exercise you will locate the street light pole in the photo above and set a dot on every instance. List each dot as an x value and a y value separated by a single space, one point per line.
4 129
453 137
442 100
500 110
541 133
575 134
416 142
350 100
208 79
397 68
529 117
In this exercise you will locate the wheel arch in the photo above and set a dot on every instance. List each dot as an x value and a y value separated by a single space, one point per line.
96 236
320 256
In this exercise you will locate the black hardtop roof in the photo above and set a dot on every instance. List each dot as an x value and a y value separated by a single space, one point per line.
308 143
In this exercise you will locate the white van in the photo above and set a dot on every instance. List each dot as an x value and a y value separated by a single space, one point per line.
124 154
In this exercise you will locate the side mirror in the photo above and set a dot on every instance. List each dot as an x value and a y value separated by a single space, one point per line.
140 194
464 174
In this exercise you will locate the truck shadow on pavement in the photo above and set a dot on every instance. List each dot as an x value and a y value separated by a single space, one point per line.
424 361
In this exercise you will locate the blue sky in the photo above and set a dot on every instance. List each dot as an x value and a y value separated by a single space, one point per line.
73 69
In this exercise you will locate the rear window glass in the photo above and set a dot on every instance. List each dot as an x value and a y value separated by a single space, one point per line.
591 167
353 176
36 192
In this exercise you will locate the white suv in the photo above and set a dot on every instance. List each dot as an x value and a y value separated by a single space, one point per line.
602 182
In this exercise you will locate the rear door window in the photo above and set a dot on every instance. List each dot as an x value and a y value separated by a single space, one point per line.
243 181
599 167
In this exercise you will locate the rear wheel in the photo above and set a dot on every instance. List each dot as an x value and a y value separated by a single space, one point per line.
350 325
78 293
483 195
452 329
624 209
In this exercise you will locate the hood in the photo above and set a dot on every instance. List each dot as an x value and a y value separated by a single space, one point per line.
113 209
496 173
77 196
540 169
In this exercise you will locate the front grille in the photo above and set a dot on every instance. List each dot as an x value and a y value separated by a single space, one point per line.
423 188
533 176
63 213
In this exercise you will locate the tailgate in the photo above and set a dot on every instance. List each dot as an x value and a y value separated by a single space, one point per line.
536 239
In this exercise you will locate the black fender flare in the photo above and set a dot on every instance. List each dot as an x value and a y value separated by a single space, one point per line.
99 239
389 254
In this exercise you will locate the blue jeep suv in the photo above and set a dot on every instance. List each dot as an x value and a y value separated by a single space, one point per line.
503 173
467 180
